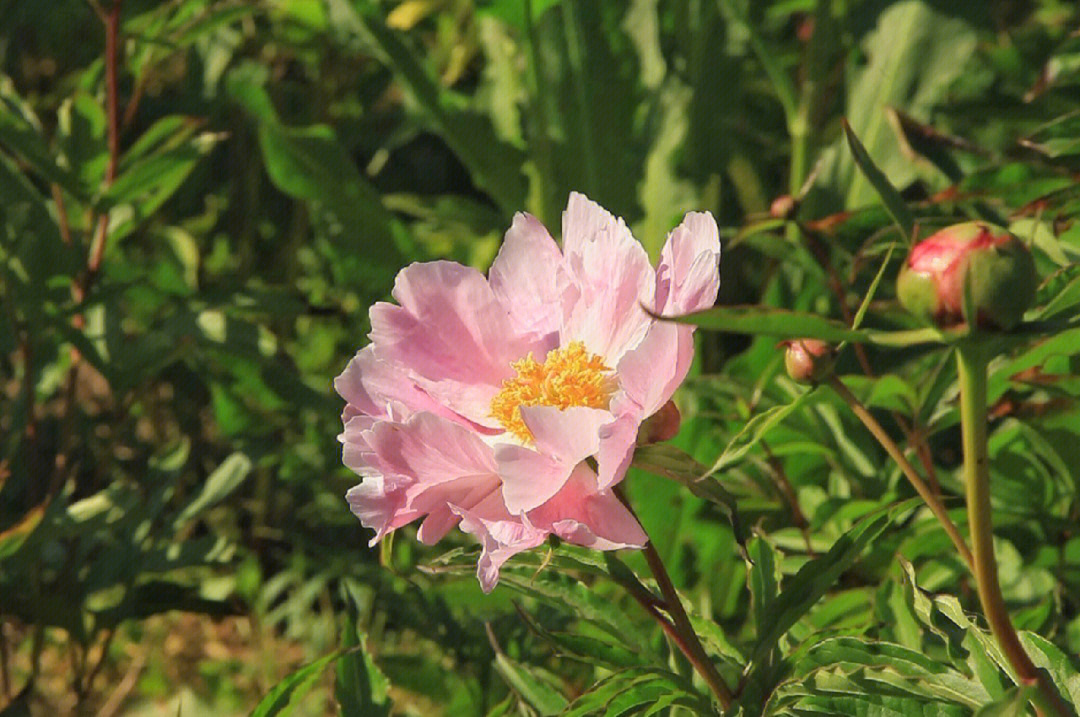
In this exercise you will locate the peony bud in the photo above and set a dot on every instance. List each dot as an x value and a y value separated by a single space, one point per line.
808 360
783 207
990 263
660 426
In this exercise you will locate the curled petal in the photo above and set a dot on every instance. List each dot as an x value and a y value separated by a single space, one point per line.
501 537
416 468
688 277
650 373
563 439
375 387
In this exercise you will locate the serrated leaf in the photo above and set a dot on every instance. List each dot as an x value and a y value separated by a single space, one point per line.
802 591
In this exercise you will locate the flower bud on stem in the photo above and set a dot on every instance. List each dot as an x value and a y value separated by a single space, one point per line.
808 360
970 272
971 363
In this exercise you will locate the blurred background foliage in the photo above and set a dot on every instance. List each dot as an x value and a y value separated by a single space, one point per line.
172 521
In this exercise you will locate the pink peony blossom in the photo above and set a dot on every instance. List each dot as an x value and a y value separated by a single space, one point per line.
479 400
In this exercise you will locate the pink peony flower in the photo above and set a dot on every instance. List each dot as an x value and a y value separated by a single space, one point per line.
479 400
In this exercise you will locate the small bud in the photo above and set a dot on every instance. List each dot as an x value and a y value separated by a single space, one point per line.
783 207
989 263
808 360
660 426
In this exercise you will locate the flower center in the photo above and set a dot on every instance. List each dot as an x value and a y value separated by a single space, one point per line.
570 376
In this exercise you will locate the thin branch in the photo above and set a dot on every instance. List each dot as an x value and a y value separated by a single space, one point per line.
81 287
100 662
930 497
61 214
687 640
112 51
912 435
788 491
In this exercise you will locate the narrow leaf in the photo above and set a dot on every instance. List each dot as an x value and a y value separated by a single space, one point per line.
894 203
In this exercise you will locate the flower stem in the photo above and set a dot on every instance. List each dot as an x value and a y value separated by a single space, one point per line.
679 629
691 646
920 486
971 364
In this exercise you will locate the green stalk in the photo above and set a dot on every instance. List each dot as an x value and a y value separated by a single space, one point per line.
971 363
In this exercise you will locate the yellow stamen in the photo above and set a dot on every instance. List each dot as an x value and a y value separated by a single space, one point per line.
570 376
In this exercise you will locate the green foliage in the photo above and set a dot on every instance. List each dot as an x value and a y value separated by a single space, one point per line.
167 423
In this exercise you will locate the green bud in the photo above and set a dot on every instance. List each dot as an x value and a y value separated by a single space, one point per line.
987 263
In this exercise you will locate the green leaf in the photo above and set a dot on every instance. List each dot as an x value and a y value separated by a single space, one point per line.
493 165
21 134
802 591
669 461
13 537
280 700
530 685
1013 704
785 324
360 688
764 579
917 673
871 705
915 53
754 430
894 203
308 163
225 479
1048 656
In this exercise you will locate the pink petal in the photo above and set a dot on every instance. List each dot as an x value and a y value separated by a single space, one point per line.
586 516
451 334
465 493
371 386
530 279
688 276
569 435
617 442
614 277
528 478
416 468
651 371
563 439
378 503
501 536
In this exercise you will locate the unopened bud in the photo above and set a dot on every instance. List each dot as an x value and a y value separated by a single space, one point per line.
808 360
783 207
660 426
975 258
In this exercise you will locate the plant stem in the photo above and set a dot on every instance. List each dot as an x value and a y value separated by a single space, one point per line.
920 486
681 630
971 364
692 647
